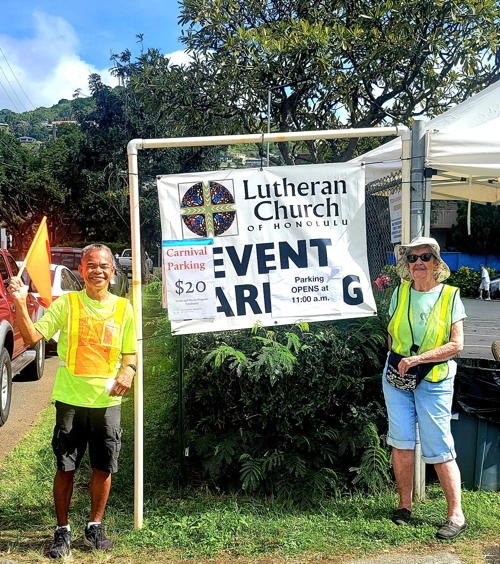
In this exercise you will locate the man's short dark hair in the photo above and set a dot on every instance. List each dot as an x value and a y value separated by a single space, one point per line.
95 247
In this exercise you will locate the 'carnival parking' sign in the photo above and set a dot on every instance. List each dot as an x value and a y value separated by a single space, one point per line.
272 246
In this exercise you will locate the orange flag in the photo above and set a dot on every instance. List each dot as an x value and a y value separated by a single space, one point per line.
38 263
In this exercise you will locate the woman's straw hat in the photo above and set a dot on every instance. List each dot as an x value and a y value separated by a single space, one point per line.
442 271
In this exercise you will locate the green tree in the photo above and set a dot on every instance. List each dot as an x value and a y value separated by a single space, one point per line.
355 63
101 189
485 235
79 179
29 188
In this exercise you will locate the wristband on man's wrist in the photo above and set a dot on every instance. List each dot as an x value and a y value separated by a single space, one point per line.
133 366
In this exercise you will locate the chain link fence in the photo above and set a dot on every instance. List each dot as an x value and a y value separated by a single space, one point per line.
378 221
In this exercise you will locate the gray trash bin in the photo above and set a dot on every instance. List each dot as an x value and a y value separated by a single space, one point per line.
476 423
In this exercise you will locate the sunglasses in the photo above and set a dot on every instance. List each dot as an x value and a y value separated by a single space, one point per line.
425 257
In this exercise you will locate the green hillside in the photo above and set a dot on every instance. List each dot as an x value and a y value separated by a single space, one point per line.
35 123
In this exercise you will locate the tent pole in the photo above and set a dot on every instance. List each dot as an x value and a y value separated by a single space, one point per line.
417 180
405 187
427 190
419 226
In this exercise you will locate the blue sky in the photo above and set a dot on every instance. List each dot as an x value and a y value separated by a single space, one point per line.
49 47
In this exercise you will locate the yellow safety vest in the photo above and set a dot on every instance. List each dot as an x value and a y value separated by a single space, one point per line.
437 329
94 345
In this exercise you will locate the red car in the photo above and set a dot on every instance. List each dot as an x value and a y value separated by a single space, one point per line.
15 356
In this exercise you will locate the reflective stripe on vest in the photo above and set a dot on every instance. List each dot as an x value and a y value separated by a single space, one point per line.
94 345
437 329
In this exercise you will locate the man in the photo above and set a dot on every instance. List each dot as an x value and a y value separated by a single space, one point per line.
97 347
484 288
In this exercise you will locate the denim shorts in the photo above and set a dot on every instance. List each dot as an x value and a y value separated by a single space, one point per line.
429 405
78 427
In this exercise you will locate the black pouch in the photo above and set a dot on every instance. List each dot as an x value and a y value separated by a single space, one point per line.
409 381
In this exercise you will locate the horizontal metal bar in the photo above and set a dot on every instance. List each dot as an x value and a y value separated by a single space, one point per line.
264 138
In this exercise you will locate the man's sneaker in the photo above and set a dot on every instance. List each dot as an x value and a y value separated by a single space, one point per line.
94 537
401 516
61 545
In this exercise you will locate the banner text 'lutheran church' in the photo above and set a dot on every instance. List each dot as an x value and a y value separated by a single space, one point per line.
272 247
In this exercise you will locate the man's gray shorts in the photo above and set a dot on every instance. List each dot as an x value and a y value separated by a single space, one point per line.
76 427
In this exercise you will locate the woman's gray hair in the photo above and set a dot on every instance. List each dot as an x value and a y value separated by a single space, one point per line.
95 247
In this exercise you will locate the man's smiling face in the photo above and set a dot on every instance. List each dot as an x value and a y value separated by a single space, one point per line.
97 269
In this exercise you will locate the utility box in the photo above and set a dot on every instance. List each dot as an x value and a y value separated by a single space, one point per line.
475 424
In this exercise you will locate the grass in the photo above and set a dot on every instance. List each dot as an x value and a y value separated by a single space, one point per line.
187 524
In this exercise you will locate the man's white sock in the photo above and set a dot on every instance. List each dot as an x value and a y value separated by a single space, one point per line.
59 527
90 523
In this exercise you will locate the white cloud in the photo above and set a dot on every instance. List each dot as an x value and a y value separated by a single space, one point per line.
47 65
180 58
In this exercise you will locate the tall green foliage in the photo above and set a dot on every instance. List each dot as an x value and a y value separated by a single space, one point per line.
485 232
326 65
101 190
288 411
34 184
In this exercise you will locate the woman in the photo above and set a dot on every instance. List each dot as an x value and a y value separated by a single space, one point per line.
425 333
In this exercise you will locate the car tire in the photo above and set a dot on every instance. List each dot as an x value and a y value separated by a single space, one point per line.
34 370
5 385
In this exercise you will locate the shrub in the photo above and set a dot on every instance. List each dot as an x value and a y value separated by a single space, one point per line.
391 272
289 411
468 280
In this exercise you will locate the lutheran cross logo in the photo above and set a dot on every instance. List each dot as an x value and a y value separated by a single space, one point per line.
208 209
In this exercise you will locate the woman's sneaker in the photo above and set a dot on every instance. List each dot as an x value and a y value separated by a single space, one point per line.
61 545
95 538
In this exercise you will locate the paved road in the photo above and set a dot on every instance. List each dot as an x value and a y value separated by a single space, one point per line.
28 399
491 555
481 328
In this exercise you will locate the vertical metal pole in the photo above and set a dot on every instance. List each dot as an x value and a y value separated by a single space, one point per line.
268 120
419 469
419 220
419 227
135 227
405 187
181 405
427 195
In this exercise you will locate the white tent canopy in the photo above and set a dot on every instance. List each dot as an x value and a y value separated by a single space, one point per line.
463 145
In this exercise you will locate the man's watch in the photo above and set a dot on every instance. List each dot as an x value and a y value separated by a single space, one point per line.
133 366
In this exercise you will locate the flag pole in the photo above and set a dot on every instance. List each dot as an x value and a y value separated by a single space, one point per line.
32 246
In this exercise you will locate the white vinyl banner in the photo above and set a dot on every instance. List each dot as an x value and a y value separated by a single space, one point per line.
287 244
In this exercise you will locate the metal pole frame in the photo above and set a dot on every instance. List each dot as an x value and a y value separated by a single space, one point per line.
133 147
181 405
